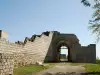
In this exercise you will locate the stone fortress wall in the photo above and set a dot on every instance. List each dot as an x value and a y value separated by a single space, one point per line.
85 53
20 54
41 48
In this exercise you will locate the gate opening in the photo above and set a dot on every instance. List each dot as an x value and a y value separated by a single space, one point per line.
63 54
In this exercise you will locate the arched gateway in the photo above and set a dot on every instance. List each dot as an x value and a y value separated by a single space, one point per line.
76 52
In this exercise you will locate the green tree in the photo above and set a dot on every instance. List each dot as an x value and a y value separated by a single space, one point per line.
95 22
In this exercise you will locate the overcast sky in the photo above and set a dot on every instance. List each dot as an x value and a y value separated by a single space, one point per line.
23 18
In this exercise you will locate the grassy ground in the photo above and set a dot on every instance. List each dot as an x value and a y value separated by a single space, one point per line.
29 70
89 67
92 67
32 69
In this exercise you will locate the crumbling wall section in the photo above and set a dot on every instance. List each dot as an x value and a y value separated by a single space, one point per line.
12 48
38 48
14 55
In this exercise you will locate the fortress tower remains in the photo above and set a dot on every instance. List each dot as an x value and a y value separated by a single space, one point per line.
3 35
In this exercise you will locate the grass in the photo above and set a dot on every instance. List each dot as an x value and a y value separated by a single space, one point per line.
32 69
29 70
89 67
92 67
98 61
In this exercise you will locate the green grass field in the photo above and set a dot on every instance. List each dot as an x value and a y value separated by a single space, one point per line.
92 67
29 70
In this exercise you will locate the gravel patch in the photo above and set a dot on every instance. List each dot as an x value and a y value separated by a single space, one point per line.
63 69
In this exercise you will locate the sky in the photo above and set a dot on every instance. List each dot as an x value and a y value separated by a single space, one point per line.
23 18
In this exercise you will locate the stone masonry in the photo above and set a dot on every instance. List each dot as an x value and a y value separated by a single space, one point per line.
76 52
42 48
6 64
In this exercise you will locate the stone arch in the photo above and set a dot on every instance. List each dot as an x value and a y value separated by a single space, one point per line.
63 43
57 41
76 52
53 54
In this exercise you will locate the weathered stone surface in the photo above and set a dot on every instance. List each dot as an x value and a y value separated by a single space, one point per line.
6 64
76 52
42 48
39 63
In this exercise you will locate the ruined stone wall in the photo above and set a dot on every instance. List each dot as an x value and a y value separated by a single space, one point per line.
21 55
91 53
3 35
6 64
41 47
85 53
38 49
30 52
57 41
11 48
75 48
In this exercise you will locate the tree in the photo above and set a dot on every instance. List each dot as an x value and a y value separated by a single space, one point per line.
95 22
85 2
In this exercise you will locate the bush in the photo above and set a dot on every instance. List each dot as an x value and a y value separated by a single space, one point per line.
97 60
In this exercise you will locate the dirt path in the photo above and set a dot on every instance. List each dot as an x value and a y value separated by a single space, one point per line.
63 68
